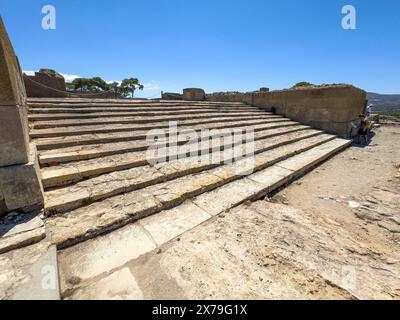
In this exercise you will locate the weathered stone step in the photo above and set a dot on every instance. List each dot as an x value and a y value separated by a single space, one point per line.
65 173
169 224
112 213
75 171
162 112
79 130
261 183
139 108
78 153
142 132
86 101
130 120
117 182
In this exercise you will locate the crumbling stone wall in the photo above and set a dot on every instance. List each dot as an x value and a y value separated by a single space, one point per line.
20 182
46 83
194 94
171 96
225 96
330 108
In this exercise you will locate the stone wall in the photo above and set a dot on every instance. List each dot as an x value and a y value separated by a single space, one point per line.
46 83
20 182
171 96
330 108
225 96
194 94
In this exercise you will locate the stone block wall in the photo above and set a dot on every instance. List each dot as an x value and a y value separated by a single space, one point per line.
171 96
194 94
20 181
330 108
45 84
225 97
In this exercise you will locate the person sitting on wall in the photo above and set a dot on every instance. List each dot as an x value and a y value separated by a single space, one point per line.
363 129
368 110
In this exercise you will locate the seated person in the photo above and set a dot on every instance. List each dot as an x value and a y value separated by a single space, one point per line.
363 129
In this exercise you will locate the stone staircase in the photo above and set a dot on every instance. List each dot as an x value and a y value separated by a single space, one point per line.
97 176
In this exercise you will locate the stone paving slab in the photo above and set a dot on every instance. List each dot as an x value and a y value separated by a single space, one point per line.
30 273
169 224
103 254
120 285
20 231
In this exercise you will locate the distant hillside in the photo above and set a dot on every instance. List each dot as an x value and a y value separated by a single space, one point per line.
385 103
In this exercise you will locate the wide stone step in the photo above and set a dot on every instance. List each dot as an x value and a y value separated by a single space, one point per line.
141 132
170 224
79 153
259 184
122 108
79 130
112 213
131 120
102 102
68 116
66 173
117 182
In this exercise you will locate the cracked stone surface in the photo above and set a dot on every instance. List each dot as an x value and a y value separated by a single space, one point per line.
107 185
30 273
19 230
77 153
49 143
142 120
111 213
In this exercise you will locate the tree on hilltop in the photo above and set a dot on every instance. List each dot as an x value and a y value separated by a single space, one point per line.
124 89
303 84
129 86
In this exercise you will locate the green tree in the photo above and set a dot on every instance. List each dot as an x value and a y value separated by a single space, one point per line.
97 84
129 86
303 84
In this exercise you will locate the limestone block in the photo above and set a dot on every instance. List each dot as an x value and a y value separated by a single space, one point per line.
17 231
12 90
171 96
21 186
194 94
13 135
45 83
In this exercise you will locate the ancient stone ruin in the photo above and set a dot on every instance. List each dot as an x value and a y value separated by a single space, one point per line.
45 84
80 168
20 181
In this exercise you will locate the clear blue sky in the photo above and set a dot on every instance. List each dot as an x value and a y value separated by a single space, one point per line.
218 45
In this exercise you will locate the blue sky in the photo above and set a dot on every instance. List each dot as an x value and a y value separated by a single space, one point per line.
218 45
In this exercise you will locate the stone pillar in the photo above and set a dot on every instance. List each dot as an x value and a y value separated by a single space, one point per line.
20 182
